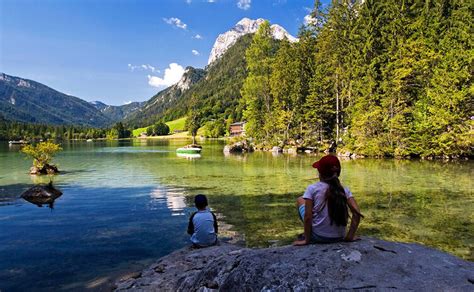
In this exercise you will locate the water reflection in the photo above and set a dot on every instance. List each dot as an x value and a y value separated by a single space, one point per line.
119 206
10 193
40 195
175 199
189 156
237 156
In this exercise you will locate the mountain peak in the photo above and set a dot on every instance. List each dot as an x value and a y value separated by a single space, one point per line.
245 26
191 75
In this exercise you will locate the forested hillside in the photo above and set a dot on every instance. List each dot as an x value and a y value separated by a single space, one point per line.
117 113
217 91
32 102
383 78
152 110
218 94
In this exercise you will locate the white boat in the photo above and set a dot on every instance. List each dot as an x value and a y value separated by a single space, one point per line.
189 149
19 142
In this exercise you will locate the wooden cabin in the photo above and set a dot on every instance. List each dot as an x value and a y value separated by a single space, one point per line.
237 129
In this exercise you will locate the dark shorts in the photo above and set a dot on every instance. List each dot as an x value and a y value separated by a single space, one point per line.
315 238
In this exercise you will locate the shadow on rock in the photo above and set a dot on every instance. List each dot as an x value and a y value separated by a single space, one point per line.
42 195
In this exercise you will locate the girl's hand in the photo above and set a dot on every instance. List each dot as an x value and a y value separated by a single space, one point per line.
355 238
300 242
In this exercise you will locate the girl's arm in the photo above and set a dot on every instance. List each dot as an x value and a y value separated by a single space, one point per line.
356 215
308 223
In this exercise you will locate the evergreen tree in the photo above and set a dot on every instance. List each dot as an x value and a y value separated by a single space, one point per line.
256 91
285 91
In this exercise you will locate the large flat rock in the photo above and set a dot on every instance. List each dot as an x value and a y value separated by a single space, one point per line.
366 265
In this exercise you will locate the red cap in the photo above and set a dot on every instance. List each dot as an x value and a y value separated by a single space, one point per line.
328 165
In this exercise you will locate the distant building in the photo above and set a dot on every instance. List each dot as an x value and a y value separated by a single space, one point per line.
237 129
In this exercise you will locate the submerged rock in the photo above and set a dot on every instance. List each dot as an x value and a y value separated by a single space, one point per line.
238 147
42 195
369 264
277 149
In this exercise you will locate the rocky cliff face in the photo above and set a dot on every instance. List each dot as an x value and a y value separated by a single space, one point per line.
191 76
147 113
245 26
366 265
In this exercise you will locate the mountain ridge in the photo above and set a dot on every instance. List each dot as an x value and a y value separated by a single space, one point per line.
29 101
245 26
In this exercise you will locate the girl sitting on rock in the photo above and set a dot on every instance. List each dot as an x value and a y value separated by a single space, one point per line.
324 207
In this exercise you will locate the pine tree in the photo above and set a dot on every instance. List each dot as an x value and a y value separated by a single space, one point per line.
256 91
285 90
443 120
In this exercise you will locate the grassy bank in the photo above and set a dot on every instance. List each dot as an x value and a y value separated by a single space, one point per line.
175 125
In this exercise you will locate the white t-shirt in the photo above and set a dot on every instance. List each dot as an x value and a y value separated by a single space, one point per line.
203 228
321 221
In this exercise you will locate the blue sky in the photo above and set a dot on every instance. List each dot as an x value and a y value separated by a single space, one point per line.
95 49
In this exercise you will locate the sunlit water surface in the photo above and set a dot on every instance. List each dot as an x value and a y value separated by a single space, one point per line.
127 203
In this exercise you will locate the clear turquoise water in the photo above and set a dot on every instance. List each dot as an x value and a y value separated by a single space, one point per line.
126 203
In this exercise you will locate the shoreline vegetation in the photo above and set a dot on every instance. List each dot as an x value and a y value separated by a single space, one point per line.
233 146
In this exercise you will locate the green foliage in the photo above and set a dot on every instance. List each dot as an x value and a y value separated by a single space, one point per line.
256 91
218 92
161 129
10 130
382 78
193 123
149 131
118 131
214 129
42 153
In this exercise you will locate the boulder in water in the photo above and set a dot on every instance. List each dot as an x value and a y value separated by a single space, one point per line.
46 169
238 147
42 194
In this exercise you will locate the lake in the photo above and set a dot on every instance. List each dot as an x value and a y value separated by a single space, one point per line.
126 203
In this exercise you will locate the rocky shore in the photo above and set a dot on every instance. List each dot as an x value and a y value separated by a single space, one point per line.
366 265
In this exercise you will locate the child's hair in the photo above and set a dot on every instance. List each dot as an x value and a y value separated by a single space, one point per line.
337 202
200 201
329 169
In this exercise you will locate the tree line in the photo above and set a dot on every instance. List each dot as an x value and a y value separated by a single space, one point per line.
381 78
12 130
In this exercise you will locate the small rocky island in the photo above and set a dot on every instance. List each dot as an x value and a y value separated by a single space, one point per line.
366 265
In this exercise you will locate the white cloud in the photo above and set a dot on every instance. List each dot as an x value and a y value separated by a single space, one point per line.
195 53
211 1
309 20
144 67
175 22
197 36
244 4
128 102
172 75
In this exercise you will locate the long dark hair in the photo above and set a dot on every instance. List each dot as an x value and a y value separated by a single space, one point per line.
336 201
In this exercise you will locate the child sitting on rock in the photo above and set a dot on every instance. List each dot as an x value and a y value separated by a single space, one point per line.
325 205
202 224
